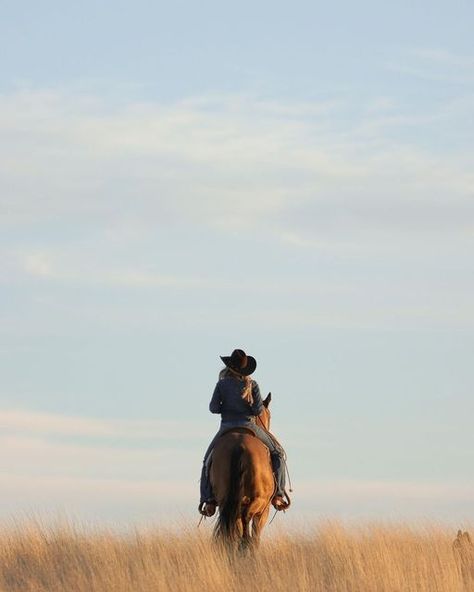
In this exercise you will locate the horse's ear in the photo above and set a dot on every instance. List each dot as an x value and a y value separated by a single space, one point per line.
266 401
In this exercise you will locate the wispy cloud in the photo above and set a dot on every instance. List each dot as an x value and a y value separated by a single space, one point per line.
91 467
48 424
51 265
61 490
231 161
143 195
82 464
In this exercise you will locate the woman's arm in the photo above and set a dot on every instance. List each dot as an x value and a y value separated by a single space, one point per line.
215 404
257 405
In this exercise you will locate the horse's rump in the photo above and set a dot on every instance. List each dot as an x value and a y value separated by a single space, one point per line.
242 480
236 430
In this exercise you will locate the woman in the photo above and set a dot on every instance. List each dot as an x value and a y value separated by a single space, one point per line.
237 399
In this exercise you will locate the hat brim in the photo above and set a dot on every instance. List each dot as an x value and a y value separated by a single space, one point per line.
246 371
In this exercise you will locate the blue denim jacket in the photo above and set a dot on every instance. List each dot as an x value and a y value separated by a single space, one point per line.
227 400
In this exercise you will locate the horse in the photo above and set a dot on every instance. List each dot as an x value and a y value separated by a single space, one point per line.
242 480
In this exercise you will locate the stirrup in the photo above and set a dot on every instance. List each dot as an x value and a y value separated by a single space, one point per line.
279 503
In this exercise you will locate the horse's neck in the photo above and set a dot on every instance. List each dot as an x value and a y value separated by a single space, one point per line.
263 420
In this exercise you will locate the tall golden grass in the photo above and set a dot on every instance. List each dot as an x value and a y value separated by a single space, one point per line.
331 558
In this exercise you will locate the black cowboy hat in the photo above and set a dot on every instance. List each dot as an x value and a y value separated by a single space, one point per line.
240 362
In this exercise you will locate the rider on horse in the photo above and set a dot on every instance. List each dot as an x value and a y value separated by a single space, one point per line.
237 399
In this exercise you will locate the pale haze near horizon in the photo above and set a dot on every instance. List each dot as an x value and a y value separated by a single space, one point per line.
177 181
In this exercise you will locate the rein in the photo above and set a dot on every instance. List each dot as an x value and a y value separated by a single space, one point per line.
259 421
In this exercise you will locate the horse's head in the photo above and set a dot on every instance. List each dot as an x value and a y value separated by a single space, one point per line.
264 417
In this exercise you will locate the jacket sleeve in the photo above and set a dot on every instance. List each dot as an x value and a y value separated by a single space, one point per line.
215 404
257 405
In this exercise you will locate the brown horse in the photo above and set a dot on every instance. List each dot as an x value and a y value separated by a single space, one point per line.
242 480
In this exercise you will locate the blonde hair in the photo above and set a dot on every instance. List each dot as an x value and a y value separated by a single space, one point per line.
247 390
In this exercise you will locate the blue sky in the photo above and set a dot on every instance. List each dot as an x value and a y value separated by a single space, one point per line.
179 180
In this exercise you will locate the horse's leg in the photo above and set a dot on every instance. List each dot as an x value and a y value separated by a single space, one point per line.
258 522
245 540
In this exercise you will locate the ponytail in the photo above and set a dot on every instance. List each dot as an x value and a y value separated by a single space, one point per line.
247 390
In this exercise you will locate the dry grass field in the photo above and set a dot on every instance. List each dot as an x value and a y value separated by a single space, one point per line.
331 558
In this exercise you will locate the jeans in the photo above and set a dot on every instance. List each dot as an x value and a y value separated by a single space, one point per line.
276 456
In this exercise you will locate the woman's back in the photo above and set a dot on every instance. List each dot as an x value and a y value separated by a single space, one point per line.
229 402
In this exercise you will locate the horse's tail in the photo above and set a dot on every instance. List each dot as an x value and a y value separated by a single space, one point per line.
230 511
